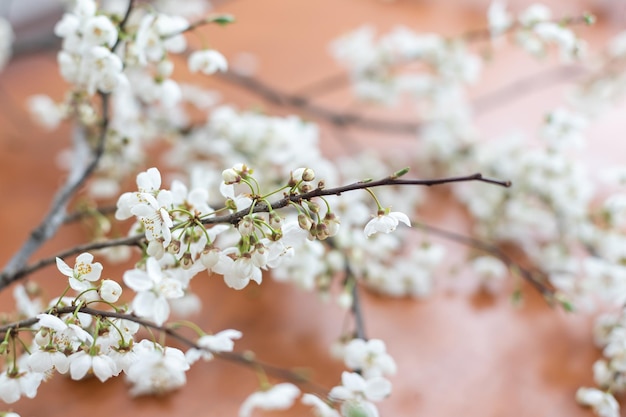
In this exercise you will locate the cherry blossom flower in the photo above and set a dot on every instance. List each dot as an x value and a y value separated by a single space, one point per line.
386 222
208 61
499 19
154 287
357 394
278 397
65 337
219 342
82 363
13 386
99 30
603 403
45 111
110 291
157 369
320 407
370 357
154 215
44 360
237 274
148 182
85 271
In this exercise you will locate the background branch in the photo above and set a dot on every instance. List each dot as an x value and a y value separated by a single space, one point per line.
76 178
540 284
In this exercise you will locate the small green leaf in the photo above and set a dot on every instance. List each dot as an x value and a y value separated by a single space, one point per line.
567 306
223 19
589 18
517 298
400 173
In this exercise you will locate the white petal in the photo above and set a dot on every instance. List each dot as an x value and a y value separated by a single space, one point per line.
377 388
401 217
80 363
138 280
64 268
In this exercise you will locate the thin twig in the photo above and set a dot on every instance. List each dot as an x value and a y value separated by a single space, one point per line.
7 278
355 308
122 24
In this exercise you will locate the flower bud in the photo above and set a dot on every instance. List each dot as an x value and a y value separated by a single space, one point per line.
304 221
210 256
276 222
230 176
174 247
308 174
186 261
332 222
260 255
313 206
110 291
246 226
321 231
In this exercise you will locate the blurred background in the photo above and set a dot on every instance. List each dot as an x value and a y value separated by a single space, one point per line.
459 352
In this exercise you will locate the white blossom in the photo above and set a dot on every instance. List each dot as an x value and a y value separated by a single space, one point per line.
99 30
320 407
386 222
154 287
25 383
82 363
45 111
357 394
156 369
370 357
499 19
207 61
110 291
85 271
602 403
219 342
278 397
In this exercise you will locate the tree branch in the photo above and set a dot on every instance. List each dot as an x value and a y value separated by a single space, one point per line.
244 359
7 277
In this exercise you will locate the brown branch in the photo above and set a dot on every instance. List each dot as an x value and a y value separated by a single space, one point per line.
235 357
234 218
8 277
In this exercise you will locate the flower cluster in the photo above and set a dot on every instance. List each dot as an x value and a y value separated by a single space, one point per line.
87 59
80 345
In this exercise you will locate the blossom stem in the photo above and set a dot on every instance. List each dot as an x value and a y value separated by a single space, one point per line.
380 207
